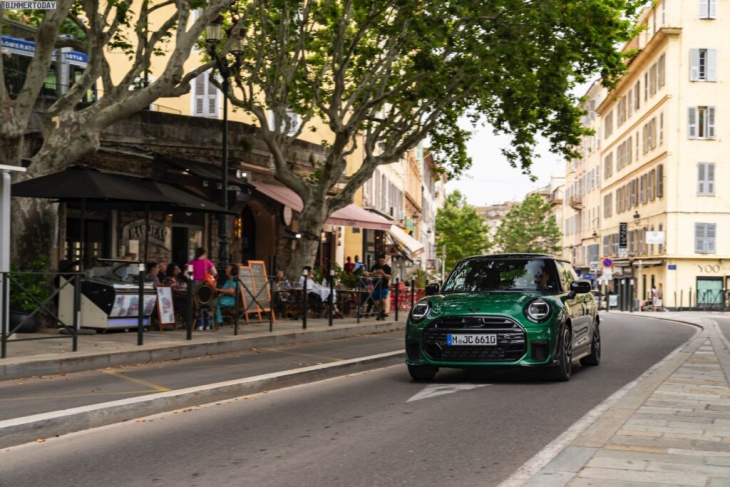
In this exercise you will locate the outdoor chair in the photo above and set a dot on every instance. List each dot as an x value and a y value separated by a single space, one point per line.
204 303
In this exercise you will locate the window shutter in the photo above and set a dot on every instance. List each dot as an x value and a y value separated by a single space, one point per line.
646 86
661 128
199 95
712 65
694 64
660 181
212 95
692 123
641 190
652 185
710 178
710 122
701 178
710 232
662 70
703 9
700 229
713 9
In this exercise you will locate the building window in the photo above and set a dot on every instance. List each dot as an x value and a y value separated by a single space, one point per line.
621 113
703 64
706 179
705 238
607 206
660 180
661 246
608 127
661 128
637 96
652 79
708 9
701 123
206 96
608 166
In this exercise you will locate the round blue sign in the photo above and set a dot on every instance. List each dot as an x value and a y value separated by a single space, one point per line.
607 262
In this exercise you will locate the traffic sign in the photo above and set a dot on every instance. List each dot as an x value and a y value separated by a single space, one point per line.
593 267
607 274
607 262
623 252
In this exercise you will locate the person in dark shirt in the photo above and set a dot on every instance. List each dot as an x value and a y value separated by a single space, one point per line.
380 275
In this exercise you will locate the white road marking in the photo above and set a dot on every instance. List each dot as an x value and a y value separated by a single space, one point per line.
443 389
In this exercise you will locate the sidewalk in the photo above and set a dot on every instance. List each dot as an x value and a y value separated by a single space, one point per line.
54 356
670 427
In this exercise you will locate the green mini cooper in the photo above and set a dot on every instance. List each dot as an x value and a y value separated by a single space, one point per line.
505 310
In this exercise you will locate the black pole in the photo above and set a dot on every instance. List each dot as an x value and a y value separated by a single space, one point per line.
397 294
77 313
413 292
5 320
223 217
140 309
359 299
304 302
189 317
331 296
146 231
236 296
271 304
82 237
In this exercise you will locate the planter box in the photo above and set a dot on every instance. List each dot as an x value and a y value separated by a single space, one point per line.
30 325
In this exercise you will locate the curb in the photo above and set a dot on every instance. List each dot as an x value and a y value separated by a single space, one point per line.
559 461
17 431
53 364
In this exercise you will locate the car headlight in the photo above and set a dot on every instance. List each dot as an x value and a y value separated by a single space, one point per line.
420 311
538 310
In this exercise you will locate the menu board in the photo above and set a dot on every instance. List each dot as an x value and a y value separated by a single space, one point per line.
128 305
261 284
248 289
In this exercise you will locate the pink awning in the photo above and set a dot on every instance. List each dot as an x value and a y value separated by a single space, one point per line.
349 216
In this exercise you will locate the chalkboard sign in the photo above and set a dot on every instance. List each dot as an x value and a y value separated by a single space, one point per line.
247 285
261 284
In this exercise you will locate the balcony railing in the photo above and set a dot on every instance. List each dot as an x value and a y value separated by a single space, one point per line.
576 202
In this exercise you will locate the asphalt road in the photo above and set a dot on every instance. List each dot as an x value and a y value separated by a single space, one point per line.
724 325
354 430
35 395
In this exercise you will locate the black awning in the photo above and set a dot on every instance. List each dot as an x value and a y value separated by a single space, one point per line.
83 183
202 170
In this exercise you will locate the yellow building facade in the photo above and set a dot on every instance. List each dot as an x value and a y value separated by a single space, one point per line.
664 211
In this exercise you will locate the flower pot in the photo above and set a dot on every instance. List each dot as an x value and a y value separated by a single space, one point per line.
30 325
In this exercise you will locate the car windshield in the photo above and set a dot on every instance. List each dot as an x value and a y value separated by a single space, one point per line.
482 275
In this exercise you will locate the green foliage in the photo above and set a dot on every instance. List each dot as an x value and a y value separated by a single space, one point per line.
529 227
461 229
34 281
421 278
349 280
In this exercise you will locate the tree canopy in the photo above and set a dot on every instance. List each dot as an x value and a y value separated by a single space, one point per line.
461 229
529 227
382 75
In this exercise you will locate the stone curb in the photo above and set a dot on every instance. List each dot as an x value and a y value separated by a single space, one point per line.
53 364
559 462
47 425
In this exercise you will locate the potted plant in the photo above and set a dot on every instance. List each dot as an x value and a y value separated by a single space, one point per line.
35 282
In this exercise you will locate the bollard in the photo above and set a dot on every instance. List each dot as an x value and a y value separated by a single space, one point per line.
189 311
77 313
331 296
690 299
304 300
140 304
681 299
413 292
236 297
5 324
271 310
359 298
397 295
675 300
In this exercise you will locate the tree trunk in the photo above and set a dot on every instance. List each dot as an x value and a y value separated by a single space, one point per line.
311 222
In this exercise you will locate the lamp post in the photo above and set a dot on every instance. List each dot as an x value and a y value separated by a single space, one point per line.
213 38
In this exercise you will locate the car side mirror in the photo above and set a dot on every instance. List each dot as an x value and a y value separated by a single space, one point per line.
580 287
432 289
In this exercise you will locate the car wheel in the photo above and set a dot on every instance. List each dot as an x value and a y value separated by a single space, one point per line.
565 360
422 372
595 357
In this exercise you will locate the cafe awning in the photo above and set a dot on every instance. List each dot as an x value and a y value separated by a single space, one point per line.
413 246
349 216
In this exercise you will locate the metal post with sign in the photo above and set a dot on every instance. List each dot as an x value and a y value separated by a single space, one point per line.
5 242
623 232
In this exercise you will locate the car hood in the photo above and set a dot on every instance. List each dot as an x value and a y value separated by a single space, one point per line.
499 303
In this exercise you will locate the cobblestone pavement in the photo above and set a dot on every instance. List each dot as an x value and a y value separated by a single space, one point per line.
671 427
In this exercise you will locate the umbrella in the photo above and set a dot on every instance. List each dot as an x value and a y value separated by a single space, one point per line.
84 184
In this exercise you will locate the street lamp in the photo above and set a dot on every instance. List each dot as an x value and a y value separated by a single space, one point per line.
213 33
637 217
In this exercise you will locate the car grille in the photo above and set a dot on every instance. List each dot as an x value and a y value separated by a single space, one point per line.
511 339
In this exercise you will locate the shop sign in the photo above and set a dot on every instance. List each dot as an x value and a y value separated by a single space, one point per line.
655 238
623 236
136 230
709 268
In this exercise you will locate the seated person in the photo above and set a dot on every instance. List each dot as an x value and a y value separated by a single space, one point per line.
227 293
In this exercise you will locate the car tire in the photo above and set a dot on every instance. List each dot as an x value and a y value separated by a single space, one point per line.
565 358
422 372
595 357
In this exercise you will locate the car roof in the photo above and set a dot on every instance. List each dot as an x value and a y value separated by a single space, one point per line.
513 256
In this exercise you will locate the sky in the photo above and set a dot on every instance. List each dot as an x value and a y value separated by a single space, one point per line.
492 180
